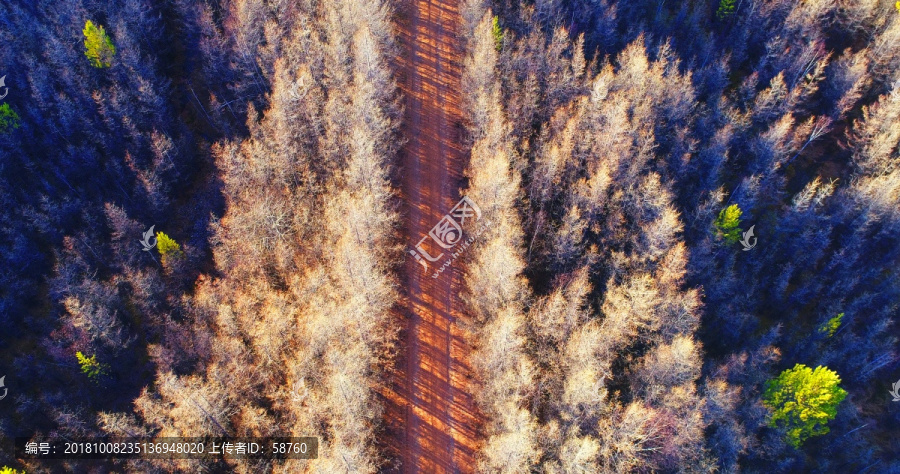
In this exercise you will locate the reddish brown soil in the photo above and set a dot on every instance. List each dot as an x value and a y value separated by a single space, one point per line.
431 413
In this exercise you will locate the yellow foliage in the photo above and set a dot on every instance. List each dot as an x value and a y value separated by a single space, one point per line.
98 47
90 366
167 247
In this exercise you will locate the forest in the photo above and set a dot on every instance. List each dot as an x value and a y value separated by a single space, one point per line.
692 263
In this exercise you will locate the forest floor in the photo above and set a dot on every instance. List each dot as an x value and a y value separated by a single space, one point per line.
432 416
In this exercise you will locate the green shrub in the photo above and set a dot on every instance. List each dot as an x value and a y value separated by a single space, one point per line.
832 325
8 118
726 9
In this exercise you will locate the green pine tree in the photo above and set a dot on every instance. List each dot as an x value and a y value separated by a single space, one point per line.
726 9
803 401
497 32
98 47
90 366
8 118
728 224
168 248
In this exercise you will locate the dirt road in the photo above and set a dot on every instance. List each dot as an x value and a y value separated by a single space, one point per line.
436 417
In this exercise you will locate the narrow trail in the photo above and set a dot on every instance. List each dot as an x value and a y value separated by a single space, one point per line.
431 413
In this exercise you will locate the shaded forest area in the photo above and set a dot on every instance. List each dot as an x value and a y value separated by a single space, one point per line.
621 151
